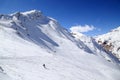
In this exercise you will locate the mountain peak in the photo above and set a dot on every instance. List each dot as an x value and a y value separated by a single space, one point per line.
32 12
30 15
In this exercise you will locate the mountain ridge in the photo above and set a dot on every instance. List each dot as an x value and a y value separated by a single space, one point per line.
112 39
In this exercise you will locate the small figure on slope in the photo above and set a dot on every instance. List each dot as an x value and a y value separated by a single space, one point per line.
44 66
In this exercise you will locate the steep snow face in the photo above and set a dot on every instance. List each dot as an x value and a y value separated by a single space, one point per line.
36 27
112 38
29 39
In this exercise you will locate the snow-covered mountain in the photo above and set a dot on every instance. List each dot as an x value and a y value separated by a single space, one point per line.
36 47
112 41
93 46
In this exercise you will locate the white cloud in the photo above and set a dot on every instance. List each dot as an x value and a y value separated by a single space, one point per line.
80 28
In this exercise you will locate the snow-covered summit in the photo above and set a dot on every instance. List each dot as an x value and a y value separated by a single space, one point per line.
37 47
33 12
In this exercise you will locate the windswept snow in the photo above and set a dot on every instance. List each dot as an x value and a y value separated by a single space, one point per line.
29 39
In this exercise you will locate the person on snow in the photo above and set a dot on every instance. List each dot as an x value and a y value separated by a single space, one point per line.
44 66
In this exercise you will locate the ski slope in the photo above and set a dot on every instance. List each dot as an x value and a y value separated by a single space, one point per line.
29 39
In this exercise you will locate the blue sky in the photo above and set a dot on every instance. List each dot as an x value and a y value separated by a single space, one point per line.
104 15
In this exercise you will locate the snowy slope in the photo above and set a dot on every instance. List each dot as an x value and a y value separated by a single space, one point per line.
113 39
29 39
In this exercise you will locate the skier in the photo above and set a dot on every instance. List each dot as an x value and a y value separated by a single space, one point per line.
44 66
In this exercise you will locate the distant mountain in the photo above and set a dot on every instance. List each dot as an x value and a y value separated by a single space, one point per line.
37 47
112 41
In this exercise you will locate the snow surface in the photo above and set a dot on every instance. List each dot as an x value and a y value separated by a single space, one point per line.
29 40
